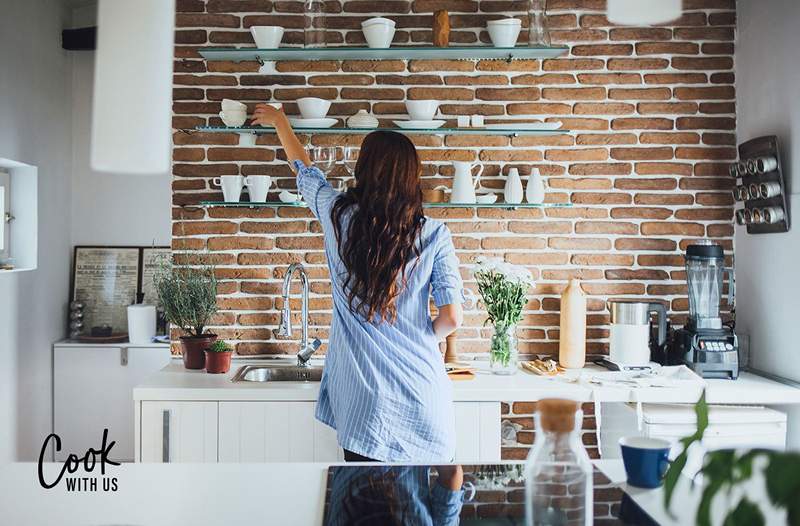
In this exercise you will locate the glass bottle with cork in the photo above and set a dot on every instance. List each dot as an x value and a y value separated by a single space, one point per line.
558 472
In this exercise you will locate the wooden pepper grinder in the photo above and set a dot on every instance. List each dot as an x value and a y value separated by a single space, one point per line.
451 349
441 28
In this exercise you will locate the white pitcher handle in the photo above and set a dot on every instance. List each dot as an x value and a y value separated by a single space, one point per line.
443 188
478 177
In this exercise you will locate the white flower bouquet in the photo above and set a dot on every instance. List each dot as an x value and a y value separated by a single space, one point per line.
504 288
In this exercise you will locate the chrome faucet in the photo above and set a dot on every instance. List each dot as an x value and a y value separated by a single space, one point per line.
285 328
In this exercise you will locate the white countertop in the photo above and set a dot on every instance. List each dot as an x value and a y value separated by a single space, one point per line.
176 383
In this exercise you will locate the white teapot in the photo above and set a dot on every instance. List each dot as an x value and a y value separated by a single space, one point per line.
463 185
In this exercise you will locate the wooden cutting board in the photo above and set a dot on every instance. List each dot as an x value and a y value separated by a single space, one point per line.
457 372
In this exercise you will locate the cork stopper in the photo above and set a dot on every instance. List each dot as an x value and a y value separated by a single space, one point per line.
557 414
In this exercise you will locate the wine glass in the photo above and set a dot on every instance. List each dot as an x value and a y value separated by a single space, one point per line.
350 158
323 157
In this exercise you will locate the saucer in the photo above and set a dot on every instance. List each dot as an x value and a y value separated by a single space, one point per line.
299 122
419 125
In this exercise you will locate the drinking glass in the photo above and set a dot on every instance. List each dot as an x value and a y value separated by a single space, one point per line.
323 157
538 33
350 158
315 23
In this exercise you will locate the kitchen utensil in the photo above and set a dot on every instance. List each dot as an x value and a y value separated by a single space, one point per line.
457 372
451 349
350 158
772 215
435 195
267 37
419 125
313 107
477 121
538 32
512 192
233 106
463 185
233 118
315 23
258 187
770 189
231 185
707 346
572 327
630 330
422 110
441 28
288 197
646 460
362 119
766 164
298 122
463 121
323 157
534 190
378 32
504 32
141 323
486 199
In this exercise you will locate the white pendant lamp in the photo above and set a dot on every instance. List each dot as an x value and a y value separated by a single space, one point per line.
131 118
643 12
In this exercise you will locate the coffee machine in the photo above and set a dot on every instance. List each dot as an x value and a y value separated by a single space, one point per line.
707 346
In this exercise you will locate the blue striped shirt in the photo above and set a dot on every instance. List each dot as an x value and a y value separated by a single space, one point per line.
384 389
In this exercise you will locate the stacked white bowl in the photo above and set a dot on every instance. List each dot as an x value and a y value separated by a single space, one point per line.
504 32
378 32
233 113
313 108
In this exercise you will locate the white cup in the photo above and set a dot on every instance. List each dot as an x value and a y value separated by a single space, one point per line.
313 108
422 110
378 32
258 187
234 118
267 37
463 121
141 323
504 33
231 185
230 105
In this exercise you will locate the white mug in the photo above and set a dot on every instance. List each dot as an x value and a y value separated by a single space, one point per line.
231 187
258 187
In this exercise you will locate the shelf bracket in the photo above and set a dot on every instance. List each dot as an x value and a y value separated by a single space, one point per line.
259 60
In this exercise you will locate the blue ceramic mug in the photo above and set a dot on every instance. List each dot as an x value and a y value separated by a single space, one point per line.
646 460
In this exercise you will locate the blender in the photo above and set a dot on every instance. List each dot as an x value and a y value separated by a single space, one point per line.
706 345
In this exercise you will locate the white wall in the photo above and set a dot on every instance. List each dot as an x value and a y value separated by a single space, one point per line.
767 271
109 209
35 129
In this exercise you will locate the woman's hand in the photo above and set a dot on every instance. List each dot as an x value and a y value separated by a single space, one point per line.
266 115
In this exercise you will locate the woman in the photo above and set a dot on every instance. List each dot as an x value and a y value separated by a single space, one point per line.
384 389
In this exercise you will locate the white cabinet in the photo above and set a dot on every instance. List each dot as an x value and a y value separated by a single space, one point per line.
178 432
93 390
477 431
274 432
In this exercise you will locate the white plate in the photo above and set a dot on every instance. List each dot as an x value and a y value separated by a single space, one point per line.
527 126
419 125
298 122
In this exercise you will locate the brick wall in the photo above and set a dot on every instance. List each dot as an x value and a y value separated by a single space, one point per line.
652 111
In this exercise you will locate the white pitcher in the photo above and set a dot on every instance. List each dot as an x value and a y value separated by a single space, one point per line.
513 191
534 190
463 185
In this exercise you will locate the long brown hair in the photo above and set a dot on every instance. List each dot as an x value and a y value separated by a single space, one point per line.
380 247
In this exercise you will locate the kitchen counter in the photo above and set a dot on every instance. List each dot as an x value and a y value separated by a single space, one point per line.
174 382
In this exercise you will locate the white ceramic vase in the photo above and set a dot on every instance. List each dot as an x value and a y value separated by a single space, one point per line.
534 190
513 192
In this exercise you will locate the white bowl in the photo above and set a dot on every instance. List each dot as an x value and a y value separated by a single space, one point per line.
378 35
422 110
313 108
504 34
233 119
232 105
267 37
510 21
378 20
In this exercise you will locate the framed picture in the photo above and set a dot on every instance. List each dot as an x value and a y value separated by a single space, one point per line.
152 259
106 280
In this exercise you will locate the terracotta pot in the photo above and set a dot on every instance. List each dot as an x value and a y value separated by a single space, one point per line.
194 347
218 362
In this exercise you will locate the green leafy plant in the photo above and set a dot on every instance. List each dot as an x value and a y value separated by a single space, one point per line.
504 288
726 468
219 346
188 295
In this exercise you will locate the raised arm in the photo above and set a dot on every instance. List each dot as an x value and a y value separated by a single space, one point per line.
266 115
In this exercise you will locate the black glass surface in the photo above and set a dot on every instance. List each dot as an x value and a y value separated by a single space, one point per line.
490 495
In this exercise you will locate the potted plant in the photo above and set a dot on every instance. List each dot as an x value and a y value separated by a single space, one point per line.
504 288
188 296
218 357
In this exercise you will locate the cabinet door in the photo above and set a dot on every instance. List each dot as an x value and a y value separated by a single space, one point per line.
179 432
93 391
477 431
274 432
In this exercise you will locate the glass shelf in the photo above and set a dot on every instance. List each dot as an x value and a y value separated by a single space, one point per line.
396 53
301 204
508 132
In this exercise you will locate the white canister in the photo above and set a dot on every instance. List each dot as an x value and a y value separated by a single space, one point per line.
141 323
629 344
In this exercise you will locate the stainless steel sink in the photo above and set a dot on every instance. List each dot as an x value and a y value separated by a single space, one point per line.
277 373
